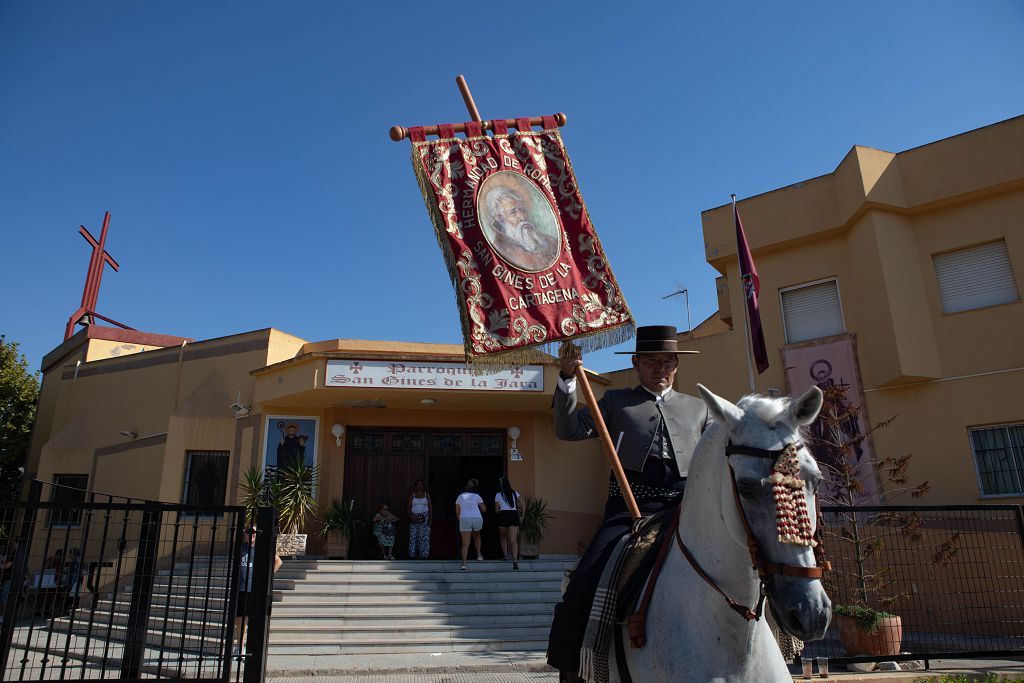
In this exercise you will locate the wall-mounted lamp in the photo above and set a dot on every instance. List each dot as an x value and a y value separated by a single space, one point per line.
130 435
338 431
514 433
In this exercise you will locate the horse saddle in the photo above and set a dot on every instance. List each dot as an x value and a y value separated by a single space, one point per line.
649 534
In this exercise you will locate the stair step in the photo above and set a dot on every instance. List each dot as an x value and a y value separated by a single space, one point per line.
408 632
340 609
472 573
389 646
170 640
402 622
356 567
210 628
542 594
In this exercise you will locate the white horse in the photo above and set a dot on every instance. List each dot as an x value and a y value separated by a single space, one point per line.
692 632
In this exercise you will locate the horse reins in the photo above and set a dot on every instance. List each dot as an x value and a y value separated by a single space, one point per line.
764 569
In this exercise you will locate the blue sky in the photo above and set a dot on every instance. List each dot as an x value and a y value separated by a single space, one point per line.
242 148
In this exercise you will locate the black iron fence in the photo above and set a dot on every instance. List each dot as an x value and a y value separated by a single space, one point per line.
124 589
952 576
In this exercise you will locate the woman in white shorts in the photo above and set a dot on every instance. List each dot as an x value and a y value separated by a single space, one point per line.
469 507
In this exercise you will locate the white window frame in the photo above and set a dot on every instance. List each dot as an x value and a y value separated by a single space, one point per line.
782 309
977 470
946 252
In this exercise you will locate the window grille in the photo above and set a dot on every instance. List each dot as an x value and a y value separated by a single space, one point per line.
976 277
68 488
999 458
206 478
812 311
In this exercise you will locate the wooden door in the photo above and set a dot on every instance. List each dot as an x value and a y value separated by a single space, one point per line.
380 467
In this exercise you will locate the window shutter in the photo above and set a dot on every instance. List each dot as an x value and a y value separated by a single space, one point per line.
975 278
812 312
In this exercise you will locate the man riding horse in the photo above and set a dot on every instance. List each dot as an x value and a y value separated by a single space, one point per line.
659 428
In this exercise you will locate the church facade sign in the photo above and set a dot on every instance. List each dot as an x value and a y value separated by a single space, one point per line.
393 374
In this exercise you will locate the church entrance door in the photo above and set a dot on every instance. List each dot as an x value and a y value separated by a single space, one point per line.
381 465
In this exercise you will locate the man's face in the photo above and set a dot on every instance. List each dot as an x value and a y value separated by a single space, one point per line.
512 214
291 431
657 370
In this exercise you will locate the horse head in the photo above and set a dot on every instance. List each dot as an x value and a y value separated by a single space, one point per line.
768 501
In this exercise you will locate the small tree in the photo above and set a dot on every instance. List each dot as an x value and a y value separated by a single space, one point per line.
837 441
19 394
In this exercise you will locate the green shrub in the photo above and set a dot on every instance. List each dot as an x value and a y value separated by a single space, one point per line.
866 617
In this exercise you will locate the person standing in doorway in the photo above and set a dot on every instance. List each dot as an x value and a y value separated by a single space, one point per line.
508 505
245 585
469 508
419 521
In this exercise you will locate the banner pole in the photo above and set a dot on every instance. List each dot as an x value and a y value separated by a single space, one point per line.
746 314
398 133
467 97
606 442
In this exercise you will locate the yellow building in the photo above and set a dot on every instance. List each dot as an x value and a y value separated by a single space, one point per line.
165 418
897 275
901 276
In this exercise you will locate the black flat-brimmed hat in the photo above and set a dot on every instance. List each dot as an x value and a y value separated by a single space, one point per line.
656 339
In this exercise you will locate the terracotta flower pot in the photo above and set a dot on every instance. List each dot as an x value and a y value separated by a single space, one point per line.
885 640
529 550
337 545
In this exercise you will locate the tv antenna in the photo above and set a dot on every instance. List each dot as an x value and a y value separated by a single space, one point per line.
686 297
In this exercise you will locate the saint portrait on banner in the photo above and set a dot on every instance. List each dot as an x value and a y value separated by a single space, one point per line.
518 222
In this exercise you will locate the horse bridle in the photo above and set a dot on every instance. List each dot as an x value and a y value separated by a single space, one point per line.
763 568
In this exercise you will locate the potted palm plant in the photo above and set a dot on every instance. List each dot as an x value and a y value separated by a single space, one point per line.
340 524
291 489
532 526
255 493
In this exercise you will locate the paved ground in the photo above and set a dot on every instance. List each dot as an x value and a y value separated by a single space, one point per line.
495 677
467 668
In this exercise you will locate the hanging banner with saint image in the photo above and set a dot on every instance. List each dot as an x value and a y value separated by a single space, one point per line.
524 258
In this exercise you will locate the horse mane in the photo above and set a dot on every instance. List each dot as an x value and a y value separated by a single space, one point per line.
769 410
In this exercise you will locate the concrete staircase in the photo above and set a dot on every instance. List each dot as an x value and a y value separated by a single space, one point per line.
332 614
334 607
186 613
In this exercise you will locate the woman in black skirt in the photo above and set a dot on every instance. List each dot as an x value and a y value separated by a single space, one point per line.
508 504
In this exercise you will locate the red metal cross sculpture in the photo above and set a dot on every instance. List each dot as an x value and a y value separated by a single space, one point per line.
91 293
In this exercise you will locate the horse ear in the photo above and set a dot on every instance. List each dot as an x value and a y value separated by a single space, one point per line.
721 410
804 410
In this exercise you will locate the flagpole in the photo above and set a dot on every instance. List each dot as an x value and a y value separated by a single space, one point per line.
746 314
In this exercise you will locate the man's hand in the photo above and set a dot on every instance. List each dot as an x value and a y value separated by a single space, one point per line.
569 358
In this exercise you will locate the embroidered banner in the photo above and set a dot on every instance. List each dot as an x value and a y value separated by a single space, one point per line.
524 258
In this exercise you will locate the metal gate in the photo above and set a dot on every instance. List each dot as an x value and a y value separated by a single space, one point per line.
122 589
953 574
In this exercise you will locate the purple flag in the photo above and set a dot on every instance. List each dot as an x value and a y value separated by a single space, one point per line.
751 288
